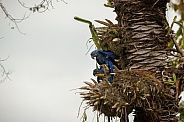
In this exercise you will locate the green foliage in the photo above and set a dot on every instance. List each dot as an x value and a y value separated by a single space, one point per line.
109 4
177 43
84 118
181 111
171 81
94 34
177 60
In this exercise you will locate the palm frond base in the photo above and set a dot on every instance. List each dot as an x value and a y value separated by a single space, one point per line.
135 89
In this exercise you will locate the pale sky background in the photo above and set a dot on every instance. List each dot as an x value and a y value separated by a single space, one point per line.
48 61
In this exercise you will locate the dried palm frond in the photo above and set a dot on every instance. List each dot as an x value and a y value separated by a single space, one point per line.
131 90
108 33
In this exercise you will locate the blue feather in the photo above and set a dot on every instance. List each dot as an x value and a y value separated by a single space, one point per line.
103 57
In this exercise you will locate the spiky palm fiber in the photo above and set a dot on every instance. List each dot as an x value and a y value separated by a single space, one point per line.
109 35
131 90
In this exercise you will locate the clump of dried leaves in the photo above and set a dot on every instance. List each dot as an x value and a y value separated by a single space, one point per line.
131 90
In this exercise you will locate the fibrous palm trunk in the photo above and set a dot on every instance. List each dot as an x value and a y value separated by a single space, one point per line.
145 40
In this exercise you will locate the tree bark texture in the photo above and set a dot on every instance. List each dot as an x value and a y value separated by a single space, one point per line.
143 33
144 42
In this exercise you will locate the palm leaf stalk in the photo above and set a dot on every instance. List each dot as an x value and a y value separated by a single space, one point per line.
95 37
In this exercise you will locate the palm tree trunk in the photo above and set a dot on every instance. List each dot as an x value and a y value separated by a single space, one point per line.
144 43
143 25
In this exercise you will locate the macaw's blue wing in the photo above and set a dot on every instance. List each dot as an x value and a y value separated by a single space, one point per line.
100 59
107 58
110 64
107 54
110 79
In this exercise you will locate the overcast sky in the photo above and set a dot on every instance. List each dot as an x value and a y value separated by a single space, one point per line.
48 61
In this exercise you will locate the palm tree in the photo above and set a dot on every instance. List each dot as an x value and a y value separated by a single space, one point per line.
145 82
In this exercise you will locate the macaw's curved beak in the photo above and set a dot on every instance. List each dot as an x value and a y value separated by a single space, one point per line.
100 75
95 55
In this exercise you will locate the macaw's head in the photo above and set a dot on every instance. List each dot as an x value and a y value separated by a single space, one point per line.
94 54
98 72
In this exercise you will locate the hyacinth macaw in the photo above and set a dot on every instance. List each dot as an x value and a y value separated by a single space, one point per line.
99 73
102 72
104 57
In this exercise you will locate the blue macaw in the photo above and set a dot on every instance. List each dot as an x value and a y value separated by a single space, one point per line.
102 72
99 73
104 57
